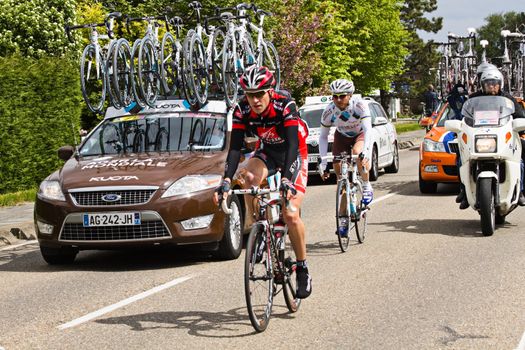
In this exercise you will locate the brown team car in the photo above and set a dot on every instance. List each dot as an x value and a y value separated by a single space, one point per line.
142 179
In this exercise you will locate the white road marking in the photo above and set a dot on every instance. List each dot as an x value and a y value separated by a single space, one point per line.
16 246
521 345
122 303
382 198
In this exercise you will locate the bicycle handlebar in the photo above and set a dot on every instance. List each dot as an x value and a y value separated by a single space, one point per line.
258 12
150 18
254 191
68 28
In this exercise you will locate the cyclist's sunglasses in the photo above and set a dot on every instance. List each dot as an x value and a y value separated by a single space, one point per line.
339 97
257 94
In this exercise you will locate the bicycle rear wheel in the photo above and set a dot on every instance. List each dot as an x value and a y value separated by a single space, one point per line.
342 215
361 216
148 72
290 285
258 278
93 78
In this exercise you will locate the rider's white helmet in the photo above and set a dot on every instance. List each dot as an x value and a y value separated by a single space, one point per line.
483 66
342 86
493 75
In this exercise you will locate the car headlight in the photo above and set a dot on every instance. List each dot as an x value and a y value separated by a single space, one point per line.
486 144
51 190
433 146
192 183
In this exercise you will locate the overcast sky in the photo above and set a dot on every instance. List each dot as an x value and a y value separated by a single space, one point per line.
458 15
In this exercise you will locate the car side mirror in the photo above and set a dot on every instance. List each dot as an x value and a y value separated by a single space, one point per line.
453 125
518 125
380 121
66 152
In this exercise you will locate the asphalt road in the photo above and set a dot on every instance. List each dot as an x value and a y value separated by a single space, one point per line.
425 278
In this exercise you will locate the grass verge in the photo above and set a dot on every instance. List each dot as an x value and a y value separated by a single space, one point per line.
17 197
404 127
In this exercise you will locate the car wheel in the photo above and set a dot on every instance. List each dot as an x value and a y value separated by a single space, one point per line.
426 186
230 246
58 256
374 169
394 167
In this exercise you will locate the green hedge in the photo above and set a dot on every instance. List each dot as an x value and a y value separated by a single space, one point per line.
40 107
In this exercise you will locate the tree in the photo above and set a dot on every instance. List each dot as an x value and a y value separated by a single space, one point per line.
420 58
491 31
361 40
35 28
295 39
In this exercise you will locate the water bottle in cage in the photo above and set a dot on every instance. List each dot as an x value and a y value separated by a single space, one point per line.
352 202
344 168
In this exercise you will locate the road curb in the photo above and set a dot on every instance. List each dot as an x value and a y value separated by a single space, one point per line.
16 233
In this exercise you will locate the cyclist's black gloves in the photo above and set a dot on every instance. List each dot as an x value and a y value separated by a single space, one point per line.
362 155
224 187
287 185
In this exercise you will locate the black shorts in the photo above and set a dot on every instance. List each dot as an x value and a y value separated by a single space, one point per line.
275 161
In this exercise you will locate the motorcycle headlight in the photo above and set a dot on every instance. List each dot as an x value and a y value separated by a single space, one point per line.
51 190
486 144
433 146
192 183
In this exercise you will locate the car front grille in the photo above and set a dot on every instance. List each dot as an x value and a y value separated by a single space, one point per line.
127 197
453 147
450 170
146 230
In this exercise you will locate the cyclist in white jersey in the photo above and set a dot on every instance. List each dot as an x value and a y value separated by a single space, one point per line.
351 117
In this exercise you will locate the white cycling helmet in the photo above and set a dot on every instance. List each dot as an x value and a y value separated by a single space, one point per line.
491 74
342 86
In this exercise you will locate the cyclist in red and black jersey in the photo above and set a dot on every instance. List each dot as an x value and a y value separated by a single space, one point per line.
274 119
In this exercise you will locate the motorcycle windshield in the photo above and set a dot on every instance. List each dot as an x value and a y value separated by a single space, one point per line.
483 111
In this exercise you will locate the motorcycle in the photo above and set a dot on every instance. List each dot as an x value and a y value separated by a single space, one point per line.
490 153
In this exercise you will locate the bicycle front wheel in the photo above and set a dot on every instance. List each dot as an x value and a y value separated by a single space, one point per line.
360 218
198 70
290 285
93 79
271 60
170 65
122 72
148 72
258 278
137 97
229 74
342 216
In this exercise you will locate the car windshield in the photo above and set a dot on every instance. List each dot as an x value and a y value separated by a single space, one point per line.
312 116
487 110
176 132
448 114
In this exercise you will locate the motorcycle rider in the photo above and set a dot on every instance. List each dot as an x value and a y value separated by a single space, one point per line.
491 82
